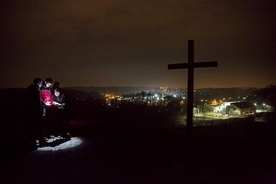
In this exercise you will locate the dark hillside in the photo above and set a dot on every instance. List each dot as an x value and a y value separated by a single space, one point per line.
136 144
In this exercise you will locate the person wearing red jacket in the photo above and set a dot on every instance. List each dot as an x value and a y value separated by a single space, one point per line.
45 93
46 103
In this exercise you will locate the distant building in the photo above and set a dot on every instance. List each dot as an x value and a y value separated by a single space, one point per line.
222 108
242 109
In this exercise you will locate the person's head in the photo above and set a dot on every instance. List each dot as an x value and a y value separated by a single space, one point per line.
48 82
56 84
37 82
56 92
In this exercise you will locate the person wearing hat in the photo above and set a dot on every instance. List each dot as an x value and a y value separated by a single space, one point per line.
35 134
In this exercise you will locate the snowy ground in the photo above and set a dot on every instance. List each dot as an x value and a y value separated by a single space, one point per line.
59 143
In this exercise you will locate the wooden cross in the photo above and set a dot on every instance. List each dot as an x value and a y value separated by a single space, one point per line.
191 65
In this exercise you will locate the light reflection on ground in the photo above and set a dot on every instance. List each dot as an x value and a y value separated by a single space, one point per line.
56 144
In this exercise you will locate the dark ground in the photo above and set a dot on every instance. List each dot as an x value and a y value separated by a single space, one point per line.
109 154
125 152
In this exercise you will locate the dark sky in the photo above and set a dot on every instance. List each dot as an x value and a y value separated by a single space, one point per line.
131 42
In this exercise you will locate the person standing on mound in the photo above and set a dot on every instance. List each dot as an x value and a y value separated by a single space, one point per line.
59 114
35 134
46 103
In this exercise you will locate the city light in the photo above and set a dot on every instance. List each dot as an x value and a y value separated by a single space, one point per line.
211 103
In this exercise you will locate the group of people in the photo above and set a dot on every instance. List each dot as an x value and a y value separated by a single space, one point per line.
47 111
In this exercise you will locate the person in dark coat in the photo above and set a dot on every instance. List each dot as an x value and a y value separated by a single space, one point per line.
35 113
59 116
55 86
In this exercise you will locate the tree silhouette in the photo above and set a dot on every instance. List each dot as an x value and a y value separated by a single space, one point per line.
268 94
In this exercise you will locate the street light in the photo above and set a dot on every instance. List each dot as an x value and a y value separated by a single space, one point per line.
264 106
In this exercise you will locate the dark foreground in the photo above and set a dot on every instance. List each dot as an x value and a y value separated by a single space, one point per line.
120 153
133 146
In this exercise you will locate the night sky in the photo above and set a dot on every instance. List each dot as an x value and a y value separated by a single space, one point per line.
131 42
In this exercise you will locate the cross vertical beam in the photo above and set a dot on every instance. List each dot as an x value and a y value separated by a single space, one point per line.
190 86
191 65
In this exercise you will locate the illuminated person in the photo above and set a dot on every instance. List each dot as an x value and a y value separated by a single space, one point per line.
55 86
46 103
59 98
46 96
35 113
59 116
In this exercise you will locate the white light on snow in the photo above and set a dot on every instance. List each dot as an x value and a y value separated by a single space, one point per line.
73 142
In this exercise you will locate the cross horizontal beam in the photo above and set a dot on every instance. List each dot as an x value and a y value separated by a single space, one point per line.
195 65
